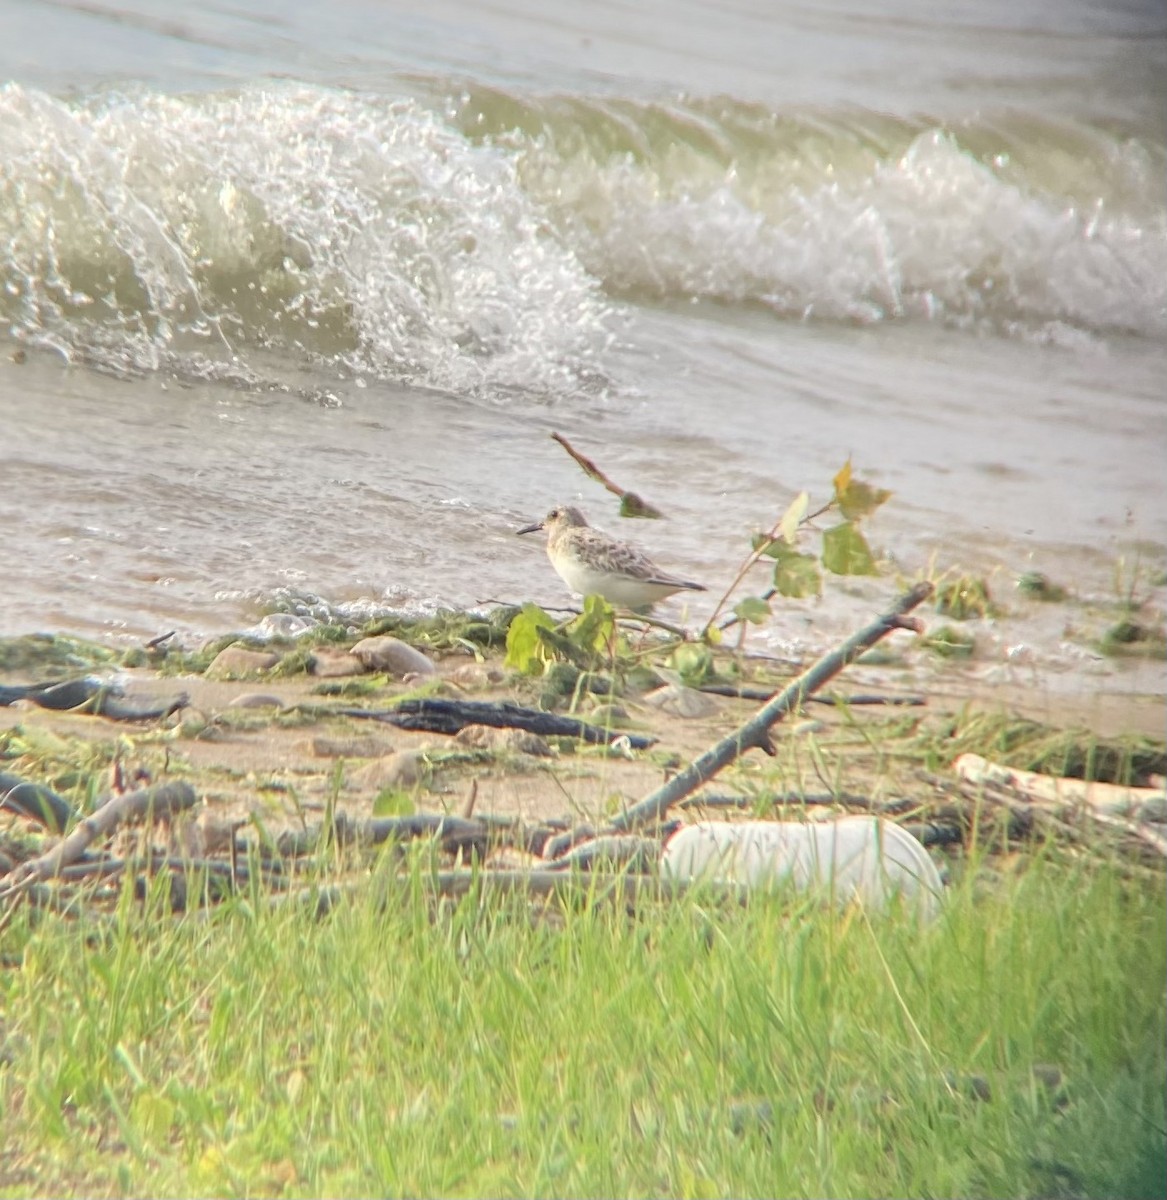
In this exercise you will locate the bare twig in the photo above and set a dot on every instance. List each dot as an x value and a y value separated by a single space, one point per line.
467 809
1143 833
781 800
165 799
35 801
437 715
631 505
754 734
857 701
627 851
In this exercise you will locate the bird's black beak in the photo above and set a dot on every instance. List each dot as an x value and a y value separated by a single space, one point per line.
529 529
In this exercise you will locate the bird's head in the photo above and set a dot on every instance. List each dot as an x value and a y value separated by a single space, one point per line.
564 516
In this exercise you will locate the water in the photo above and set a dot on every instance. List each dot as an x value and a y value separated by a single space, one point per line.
299 291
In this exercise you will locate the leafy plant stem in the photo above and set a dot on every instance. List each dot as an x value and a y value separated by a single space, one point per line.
754 557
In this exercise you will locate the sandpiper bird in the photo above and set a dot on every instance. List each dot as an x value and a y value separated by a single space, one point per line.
592 563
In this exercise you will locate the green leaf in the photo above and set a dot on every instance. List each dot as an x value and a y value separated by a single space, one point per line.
592 630
845 551
855 498
693 661
798 576
792 518
631 505
556 646
393 802
753 609
525 652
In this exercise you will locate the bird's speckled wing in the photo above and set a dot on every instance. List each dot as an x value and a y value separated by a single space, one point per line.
620 558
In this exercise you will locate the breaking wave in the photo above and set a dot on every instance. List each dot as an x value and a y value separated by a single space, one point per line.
477 240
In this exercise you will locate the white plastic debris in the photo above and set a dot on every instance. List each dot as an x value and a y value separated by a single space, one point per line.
852 857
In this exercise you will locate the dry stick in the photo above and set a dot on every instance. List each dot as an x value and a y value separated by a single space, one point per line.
1148 836
857 701
782 799
636 506
165 799
467 809
755 732
1059 791
1023 817
1057 800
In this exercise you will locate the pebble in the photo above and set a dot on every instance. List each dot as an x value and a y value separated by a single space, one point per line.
329 663
806 727
256 700
393 656
367 746
404 770
681 701
520 741
608 715
235 662
206 834
475 677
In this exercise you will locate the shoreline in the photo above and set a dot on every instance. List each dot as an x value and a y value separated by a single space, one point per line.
268 739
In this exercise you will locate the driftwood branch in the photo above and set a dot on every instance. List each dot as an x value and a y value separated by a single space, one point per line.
1113 799
450 716
796 799
755 733
476 835
35 801
860 700
626 851
631 505
162 800
1129 810
91 696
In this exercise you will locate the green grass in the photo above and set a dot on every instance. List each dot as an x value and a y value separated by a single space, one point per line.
470 1050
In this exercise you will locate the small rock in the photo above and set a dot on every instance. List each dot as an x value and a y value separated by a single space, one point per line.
439 688
475 677
681 701
520 741
477 737
404 770
608 715
807 727
393 656
368 746
329 663
235 662
256 700
204 835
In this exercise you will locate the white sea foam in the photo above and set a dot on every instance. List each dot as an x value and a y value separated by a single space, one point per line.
474 243
356 228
